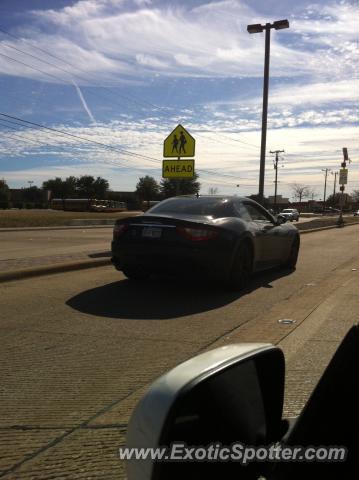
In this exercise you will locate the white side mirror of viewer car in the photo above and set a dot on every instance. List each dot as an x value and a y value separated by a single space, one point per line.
230 394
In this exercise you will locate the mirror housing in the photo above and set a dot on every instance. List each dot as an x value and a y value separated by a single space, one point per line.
230 394
281 219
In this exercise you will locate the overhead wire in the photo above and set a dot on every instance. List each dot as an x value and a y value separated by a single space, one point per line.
103 145
130 97
19 121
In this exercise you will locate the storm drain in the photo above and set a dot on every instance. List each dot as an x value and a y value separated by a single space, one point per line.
286 321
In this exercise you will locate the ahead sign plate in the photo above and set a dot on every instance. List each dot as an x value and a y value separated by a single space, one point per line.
178 168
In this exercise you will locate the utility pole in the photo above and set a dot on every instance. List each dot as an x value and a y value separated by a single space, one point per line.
343 180
335 184
326 170
277 152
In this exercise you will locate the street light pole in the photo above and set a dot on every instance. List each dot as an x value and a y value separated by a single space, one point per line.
256 28
264 112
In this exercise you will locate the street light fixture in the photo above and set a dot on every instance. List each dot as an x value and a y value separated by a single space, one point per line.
280 24
257 28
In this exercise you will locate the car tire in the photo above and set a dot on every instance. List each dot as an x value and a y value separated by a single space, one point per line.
135 273
242 267
293 254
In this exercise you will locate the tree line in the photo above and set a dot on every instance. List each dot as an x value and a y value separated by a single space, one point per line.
89 187
148 188
85 186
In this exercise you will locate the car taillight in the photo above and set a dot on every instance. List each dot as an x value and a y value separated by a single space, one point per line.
119 230
197 234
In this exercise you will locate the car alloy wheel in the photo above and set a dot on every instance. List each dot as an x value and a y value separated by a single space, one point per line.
293 254
242 267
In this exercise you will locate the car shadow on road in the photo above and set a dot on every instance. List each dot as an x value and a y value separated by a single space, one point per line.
163 298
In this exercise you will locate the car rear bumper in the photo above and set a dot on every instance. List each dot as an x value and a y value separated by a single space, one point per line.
174 260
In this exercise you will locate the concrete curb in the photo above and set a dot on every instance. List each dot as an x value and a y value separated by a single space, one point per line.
319 229
50 269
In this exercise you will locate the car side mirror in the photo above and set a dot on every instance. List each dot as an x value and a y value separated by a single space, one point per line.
230 394
281 219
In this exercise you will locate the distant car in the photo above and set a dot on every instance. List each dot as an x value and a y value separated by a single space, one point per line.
330 211
356 213
224 238
290 214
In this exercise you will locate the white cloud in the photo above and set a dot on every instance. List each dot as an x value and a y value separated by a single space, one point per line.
314 70
306 152
116 37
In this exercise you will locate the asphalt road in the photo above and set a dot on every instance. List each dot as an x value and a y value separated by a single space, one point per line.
79 349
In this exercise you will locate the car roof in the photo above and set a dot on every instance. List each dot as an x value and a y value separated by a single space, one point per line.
219 197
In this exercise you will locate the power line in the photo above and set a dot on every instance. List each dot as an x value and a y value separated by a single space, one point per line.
71 83
131 98
61 132
103 145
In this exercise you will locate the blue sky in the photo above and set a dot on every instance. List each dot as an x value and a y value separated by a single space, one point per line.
124 73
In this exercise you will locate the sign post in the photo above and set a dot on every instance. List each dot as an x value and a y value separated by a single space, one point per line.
343 180
179 143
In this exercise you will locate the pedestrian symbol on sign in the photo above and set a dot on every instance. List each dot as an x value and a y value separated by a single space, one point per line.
183 142
179 143
175 144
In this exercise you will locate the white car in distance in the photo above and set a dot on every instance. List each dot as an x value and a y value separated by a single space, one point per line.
290 214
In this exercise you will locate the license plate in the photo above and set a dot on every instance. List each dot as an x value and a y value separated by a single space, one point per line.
152 232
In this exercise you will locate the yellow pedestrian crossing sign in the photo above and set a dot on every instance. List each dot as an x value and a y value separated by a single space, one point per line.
179 143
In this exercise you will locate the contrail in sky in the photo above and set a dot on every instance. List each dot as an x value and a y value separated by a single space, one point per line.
83 101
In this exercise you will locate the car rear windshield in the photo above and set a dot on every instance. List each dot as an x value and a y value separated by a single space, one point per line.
214 207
